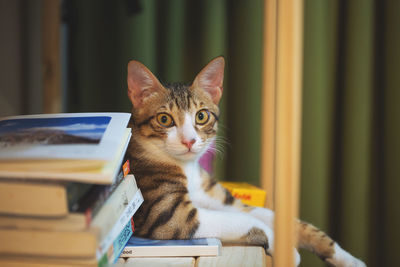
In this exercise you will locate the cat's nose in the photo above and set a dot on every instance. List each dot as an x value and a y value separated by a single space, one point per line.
189 143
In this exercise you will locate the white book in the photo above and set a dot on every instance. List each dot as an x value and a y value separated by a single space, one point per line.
119 225
85 147
141 247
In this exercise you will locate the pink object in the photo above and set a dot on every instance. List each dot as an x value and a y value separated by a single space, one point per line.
206 161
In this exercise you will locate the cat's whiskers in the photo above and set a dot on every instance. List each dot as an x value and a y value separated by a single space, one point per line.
220 144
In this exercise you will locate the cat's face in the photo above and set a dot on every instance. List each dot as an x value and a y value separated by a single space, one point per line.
176 120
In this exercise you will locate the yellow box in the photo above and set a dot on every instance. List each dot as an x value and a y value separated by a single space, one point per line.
247 193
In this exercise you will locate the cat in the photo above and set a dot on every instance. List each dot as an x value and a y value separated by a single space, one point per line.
173 125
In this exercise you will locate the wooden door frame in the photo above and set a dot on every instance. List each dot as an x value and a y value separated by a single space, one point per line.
51 56
281 119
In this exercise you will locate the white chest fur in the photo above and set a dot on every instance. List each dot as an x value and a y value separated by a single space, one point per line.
197 194
192 172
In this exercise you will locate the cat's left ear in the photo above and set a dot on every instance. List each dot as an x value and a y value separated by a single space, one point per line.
211 78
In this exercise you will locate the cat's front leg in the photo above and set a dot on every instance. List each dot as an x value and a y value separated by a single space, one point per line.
267 216
236 227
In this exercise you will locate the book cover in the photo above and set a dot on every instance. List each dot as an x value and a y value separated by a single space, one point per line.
75 146
141 247
63 136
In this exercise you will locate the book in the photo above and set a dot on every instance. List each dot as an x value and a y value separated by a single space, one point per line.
118 245
39 199
18 261
64 237
107 259
112 219
124 200
247 193
80 147
141 247
54 198
61 200
73 222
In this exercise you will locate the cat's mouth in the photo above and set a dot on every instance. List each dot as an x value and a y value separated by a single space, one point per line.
187 155
184 153
188 152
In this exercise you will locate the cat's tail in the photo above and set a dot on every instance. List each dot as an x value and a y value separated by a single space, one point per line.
316 241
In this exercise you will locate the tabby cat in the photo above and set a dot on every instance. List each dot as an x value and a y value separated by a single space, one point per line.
172 126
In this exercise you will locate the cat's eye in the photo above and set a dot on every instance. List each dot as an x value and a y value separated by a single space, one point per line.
202 117
165 120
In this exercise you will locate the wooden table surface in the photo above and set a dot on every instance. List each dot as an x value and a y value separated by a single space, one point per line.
231 256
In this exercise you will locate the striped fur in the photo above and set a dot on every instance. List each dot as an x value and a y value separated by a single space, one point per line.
181 200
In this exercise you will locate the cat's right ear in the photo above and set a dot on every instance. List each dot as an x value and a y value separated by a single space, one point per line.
141 83
211 77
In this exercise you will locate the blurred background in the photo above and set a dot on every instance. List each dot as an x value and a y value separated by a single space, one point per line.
71 56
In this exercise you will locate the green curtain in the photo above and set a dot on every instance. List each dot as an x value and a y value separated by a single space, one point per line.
351 125
389 185
174 39
320 18
350 145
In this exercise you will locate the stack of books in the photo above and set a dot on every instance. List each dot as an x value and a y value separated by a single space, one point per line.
66 197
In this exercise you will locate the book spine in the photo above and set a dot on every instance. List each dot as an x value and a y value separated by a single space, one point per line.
91 203
126 216
118 245
92 211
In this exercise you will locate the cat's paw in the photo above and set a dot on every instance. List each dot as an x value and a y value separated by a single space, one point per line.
296 258
270 237
342 258
270 249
